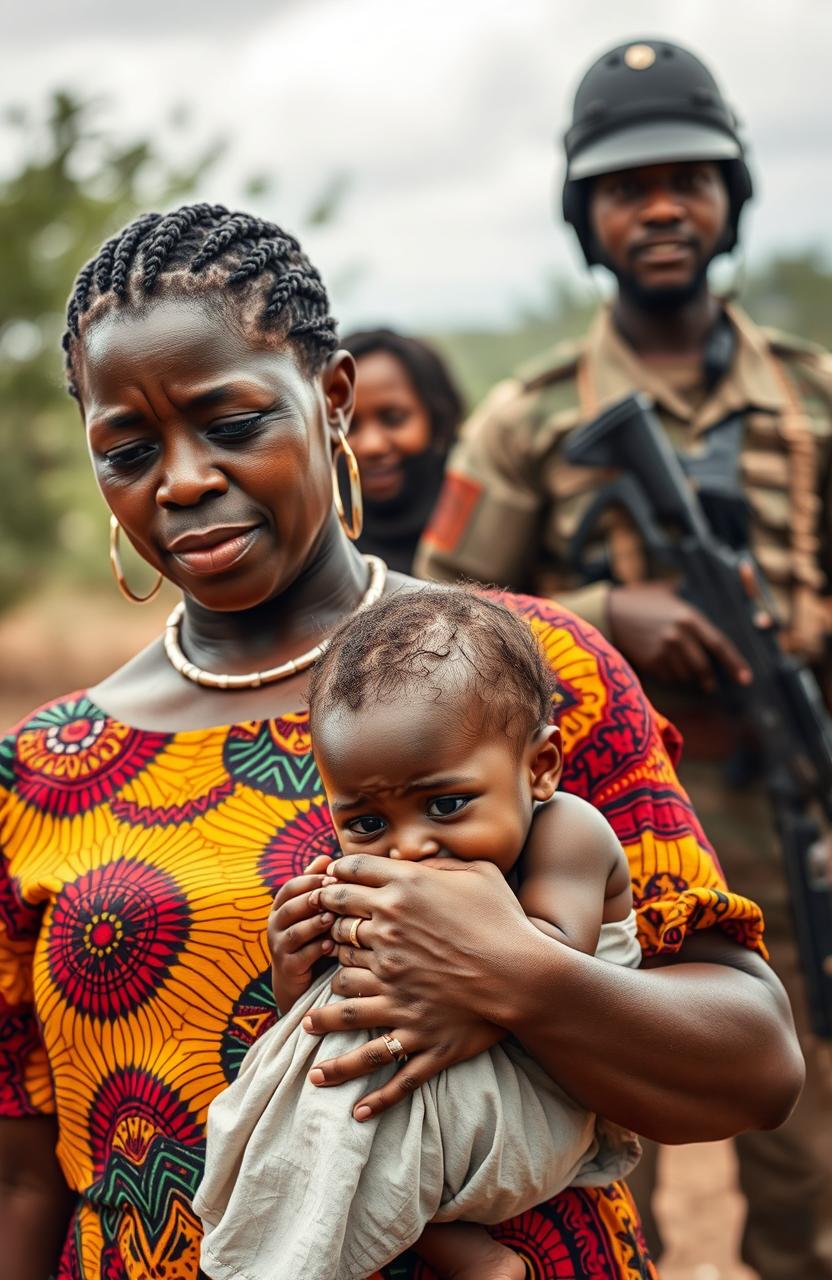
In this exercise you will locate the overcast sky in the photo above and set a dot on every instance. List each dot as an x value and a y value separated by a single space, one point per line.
445 114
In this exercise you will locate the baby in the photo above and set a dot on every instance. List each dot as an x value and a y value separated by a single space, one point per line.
430 717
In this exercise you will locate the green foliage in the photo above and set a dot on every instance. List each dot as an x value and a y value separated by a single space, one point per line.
793 294
790 293
74 186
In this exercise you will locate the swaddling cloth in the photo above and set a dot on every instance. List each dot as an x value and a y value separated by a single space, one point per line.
294 1186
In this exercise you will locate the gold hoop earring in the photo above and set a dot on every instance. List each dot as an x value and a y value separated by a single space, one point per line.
118 571
353 527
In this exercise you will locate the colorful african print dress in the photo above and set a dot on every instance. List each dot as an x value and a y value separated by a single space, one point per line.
137 874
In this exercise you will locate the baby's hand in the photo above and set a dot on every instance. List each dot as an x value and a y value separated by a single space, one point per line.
298 934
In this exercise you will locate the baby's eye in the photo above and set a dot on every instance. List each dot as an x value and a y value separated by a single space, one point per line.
445 806
367 825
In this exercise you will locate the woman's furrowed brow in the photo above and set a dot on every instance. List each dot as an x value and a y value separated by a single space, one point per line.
219 394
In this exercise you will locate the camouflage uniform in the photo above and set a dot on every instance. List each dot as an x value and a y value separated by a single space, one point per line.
509 508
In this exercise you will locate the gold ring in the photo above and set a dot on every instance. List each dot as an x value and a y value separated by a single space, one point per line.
352 932
396 1048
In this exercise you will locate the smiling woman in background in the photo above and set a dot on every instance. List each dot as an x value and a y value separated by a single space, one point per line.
407 410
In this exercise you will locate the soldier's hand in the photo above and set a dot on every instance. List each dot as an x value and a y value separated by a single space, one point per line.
663 635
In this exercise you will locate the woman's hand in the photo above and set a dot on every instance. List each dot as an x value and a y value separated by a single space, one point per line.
298 934
432 964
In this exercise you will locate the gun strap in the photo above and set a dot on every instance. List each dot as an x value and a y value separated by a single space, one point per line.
811 618
627 558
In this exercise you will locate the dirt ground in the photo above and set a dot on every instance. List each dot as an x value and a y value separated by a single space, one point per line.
700 1214
63 643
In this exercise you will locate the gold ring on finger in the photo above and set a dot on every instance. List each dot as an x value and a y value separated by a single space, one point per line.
352 932
396 1048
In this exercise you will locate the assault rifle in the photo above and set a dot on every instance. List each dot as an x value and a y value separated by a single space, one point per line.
782 706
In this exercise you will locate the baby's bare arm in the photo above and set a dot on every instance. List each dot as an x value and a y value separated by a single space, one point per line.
574 873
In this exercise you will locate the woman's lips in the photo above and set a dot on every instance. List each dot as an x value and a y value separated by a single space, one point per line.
382 482
219 556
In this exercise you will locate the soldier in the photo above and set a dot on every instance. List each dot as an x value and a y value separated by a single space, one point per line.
656 182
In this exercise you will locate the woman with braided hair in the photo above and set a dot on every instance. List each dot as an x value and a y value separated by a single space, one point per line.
147 824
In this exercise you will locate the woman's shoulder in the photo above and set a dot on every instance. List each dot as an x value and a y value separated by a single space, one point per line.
566 639
600 704
54 711
542 612
65 726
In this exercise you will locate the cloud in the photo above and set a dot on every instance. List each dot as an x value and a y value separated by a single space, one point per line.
446 116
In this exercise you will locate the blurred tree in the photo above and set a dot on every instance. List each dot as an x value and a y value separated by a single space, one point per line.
793 293
74 186
790 292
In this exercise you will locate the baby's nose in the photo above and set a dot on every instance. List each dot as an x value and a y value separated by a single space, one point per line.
414 848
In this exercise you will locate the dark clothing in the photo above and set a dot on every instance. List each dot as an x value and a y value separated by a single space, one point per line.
392 529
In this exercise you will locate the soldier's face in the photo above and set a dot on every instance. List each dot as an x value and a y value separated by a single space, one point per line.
658 227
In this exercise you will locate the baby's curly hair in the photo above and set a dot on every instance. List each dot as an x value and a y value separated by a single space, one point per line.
444 640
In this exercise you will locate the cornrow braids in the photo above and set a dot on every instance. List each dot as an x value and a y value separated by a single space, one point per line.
125 253
249 266
449 643
167 235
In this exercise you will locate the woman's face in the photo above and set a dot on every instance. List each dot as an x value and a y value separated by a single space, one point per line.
390 423
212 452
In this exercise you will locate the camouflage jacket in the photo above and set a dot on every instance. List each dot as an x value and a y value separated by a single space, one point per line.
511 502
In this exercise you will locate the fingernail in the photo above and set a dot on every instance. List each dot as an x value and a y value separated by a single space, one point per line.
315 898
327 917
316 1076
308 1025
329 880
363 1113
327 944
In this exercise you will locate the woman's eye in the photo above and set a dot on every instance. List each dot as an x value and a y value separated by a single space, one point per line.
236 428
445 806
394 417
367 825
129 456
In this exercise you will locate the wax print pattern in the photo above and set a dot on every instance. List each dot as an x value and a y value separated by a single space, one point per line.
137 874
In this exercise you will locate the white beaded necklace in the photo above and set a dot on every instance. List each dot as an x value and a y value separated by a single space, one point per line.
177 659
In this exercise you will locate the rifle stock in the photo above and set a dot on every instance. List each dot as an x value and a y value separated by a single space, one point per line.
783 704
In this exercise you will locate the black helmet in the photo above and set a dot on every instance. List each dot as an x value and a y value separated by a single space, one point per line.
649 102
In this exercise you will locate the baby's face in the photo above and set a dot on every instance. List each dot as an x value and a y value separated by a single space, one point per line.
409 779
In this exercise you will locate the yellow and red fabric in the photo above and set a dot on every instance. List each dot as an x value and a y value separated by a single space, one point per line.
137 873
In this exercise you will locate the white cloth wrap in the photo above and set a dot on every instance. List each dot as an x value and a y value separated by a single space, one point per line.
294 1186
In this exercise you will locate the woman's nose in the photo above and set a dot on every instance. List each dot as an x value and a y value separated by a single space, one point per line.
189 476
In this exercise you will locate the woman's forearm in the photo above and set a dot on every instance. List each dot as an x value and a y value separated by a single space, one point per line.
35 1202
699 1049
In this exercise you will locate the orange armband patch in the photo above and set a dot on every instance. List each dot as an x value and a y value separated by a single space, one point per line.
456 505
